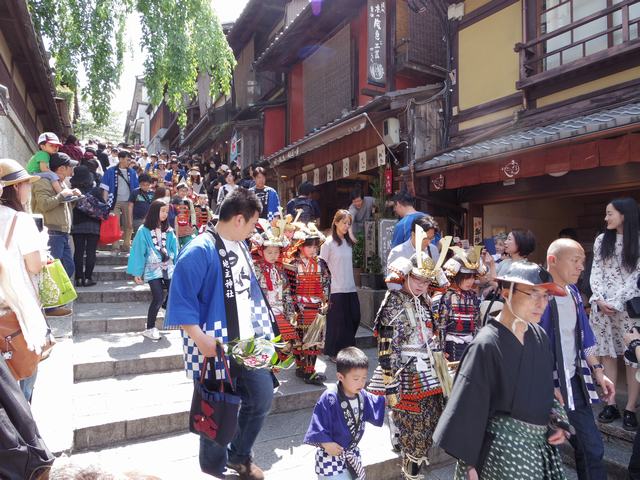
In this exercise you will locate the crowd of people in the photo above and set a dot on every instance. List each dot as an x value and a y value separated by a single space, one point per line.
492 357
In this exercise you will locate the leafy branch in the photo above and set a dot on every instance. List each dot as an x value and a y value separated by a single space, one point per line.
180 39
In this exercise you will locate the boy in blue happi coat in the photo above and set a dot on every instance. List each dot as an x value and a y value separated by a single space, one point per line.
337 424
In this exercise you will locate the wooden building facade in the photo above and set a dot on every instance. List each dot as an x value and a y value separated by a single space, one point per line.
28 101
545 118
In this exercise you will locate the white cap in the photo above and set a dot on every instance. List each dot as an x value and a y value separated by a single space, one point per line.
48 137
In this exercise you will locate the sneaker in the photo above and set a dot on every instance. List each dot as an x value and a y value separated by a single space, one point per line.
152 334
247 470
629 421
609 414
58 312
89 282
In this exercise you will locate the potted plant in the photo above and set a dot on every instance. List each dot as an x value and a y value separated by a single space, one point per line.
358 258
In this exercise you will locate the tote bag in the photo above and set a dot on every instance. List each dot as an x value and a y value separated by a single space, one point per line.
56 288
110 230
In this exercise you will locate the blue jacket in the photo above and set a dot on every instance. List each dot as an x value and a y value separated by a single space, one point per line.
586 348
273 202
109 183
145 259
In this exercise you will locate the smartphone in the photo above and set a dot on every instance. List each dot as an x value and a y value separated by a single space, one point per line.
39 221
490 245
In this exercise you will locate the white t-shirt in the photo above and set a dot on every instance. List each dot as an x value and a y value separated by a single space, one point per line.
568 317
26 239
241 271
123 188
339 259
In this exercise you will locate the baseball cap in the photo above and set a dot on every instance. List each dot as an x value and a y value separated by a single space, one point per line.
49 137
61 160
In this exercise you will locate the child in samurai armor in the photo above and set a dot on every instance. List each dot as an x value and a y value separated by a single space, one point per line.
310 283
410 366
339 417
185 215
204 214
267 247
457 310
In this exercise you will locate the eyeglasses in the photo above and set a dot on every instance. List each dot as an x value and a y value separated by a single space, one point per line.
545 297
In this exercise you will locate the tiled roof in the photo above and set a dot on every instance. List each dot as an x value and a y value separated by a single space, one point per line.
575 127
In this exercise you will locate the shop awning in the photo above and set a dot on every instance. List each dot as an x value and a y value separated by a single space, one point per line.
605 138
352 122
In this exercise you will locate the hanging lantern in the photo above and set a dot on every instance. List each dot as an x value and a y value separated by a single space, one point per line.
388 180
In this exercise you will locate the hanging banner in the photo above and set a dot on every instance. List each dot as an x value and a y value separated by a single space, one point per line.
330 172
233 147
345 167
362 162
377 42
316 176
380 155
388 180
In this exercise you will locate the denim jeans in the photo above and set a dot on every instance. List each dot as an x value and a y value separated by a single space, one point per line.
27 384
587 442
61 249
255 388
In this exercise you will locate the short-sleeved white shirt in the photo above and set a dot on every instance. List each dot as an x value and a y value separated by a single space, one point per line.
26 238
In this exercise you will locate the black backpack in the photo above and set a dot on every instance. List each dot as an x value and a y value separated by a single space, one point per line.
23 454
306 206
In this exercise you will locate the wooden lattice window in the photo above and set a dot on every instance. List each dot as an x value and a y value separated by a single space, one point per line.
573 29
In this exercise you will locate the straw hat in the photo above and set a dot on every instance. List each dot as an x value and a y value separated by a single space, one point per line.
11 172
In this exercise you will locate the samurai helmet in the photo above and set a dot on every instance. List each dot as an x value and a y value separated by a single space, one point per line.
420 265
468 261
308 232
266 236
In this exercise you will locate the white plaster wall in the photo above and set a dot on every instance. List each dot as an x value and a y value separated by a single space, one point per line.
14 141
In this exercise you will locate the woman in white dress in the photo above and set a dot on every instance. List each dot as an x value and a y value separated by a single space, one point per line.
614 281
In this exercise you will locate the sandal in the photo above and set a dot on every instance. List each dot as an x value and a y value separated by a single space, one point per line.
316 379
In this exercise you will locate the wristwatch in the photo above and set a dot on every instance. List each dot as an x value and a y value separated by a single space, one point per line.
596 366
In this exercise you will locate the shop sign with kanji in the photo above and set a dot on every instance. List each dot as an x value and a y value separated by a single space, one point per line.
377 42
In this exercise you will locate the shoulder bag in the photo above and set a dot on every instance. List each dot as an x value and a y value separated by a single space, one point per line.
214 413
21 361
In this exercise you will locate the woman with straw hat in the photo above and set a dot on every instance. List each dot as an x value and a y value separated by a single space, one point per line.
22 255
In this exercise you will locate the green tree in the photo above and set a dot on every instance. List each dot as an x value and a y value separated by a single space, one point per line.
180 39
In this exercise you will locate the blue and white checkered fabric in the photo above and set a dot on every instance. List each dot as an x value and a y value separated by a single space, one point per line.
330 465
193 358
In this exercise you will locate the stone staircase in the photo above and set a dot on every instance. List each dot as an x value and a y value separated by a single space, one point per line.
121 399
109 396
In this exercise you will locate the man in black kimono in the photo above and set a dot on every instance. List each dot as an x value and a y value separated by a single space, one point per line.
503 394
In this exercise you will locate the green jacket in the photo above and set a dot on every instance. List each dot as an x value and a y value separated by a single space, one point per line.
56 213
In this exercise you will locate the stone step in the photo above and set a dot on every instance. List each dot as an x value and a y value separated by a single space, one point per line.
104 257
134 407
112 317
279 450
115 354
616 459
114 292
613 432
132 317
103 273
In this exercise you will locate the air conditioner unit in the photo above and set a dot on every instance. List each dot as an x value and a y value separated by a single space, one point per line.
391 131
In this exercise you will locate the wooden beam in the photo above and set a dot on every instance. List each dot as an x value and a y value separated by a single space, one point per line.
575 183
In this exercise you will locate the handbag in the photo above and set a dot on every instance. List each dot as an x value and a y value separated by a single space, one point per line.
21 361
55 285
110 231
633 307
214 413
23 453
93 207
